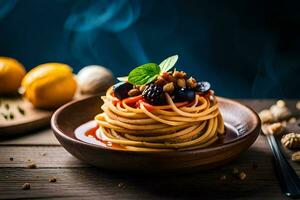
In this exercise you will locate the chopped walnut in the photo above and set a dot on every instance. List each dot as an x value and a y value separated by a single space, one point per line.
275 128
134 92
291 140
298 105
242 175
280 113
26 186
168 77
142 88
266 116
52 180
280 103
181 83
292 120
169 87
160 81
235 171
32 166
223 178
296 156
191 82
179 74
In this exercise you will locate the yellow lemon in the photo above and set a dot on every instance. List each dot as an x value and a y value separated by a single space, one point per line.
49 85
11 74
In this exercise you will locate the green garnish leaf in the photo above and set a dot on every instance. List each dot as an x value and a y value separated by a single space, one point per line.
168 63
144 74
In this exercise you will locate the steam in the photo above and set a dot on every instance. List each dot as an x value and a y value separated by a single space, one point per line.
114 16
97 25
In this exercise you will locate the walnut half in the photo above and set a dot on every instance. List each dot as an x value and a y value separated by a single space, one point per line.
291 140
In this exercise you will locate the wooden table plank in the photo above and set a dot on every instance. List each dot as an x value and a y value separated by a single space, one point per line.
42 137
77 180
42 156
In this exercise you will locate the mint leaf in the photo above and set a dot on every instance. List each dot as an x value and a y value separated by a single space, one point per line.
144 74
168 63
123 78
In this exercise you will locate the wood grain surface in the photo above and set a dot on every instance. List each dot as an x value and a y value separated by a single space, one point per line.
76 180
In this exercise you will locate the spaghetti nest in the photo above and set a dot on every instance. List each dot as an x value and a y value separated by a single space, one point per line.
139 126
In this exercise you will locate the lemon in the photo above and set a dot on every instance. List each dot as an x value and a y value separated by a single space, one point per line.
11 74
49 85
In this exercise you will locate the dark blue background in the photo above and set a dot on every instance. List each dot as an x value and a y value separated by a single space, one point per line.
244 48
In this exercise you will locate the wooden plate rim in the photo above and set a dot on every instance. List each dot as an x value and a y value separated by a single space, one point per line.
256 129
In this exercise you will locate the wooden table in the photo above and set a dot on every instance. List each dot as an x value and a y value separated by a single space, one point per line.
78 180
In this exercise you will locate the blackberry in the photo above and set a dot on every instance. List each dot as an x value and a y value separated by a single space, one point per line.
154 95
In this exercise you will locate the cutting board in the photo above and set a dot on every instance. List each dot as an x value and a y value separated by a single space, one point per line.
18 116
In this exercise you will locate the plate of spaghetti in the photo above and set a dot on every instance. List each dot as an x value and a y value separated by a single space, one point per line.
156 119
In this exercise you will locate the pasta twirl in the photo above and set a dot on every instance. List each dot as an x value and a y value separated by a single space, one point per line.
181 125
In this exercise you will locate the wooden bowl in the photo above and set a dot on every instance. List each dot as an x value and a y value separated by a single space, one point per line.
242 129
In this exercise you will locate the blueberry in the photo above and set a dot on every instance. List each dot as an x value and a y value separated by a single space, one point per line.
121 89
184 94
202 86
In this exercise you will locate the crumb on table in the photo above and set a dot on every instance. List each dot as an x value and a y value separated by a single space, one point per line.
26 186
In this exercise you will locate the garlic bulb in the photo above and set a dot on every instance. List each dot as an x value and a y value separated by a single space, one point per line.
94 79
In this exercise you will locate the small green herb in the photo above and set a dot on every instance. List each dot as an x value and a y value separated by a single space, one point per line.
21 110
11 116
144 74
4 116
168 63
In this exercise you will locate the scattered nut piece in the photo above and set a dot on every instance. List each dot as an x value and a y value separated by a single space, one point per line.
133 92
52 180
292 120
242 175
179 74
266 116
298 105
6 106
191 82
181 83
235 171
296 156
280 103
275 128
122 185
26 186
142 88
291 140
11 158
32 166
160 81
168 77
223 178
169 87
280 113
44 154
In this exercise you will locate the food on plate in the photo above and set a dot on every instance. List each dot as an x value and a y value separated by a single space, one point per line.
156 108
94 79
11 74
49 85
